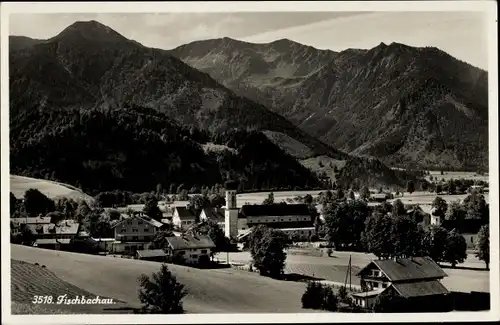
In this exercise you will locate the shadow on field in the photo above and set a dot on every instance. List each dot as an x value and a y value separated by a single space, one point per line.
300 277
458 267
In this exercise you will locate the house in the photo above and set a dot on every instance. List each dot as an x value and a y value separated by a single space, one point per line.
192 249
216 215
134 233
183 217
280 215
157 255
414 278
55 236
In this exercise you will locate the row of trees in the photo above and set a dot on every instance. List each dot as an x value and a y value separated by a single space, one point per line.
392 230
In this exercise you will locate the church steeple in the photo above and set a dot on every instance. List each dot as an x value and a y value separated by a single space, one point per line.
231 210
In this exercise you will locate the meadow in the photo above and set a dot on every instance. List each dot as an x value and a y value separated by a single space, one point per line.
210 291
53 190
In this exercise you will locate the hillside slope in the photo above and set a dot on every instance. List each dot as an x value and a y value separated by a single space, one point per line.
53 190
90 65
210 291
404 105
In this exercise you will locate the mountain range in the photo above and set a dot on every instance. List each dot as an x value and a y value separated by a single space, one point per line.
90 107
408 106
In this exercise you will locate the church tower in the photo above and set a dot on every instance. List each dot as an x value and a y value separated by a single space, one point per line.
231 211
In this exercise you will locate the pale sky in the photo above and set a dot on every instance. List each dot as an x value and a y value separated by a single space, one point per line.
461 34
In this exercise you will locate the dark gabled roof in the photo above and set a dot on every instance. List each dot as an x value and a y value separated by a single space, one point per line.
406 269
277 209
214 214
185 213
420 289
190 242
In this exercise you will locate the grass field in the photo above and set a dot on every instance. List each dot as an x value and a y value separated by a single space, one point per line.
457 175
257 198
334 269
29 280
53 190
210 291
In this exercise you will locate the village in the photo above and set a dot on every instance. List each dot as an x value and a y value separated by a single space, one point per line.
221 236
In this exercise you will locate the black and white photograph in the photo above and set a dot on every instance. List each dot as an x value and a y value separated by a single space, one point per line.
233 160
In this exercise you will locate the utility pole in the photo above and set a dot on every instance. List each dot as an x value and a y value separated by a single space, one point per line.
350 274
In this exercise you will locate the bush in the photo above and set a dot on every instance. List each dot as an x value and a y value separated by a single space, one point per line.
161 294
318 296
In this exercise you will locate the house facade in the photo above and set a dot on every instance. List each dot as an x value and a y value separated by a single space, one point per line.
411 278
191 249
183 217
134 233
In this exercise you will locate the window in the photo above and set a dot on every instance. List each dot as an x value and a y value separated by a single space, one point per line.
123 230
203 251
243 228
135 238
384 285
146 229
182 252
135 230
129 223
281 219
194 255
375 284
472 240
139 222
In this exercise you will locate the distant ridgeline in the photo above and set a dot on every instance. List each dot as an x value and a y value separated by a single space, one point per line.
94 109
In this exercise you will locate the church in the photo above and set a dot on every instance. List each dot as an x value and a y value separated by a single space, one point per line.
289 218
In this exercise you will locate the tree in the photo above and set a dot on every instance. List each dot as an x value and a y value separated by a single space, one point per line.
269 199
308 199
476 208
483 245
319 296
36 203
435 240
398 208
342 293
456 248
199 202
13 204
405 237
364 193
410 187
217 200
440 206
162 293
439 188
375 236
351 195
313 296
346 222
97 225
267 249
152 210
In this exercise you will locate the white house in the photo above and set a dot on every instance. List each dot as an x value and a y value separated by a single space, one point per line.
414 278
193 249
134 233
183 217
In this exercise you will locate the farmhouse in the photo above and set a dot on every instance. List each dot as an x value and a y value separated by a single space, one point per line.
414 278
191 249
134 233
55 236
183 217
